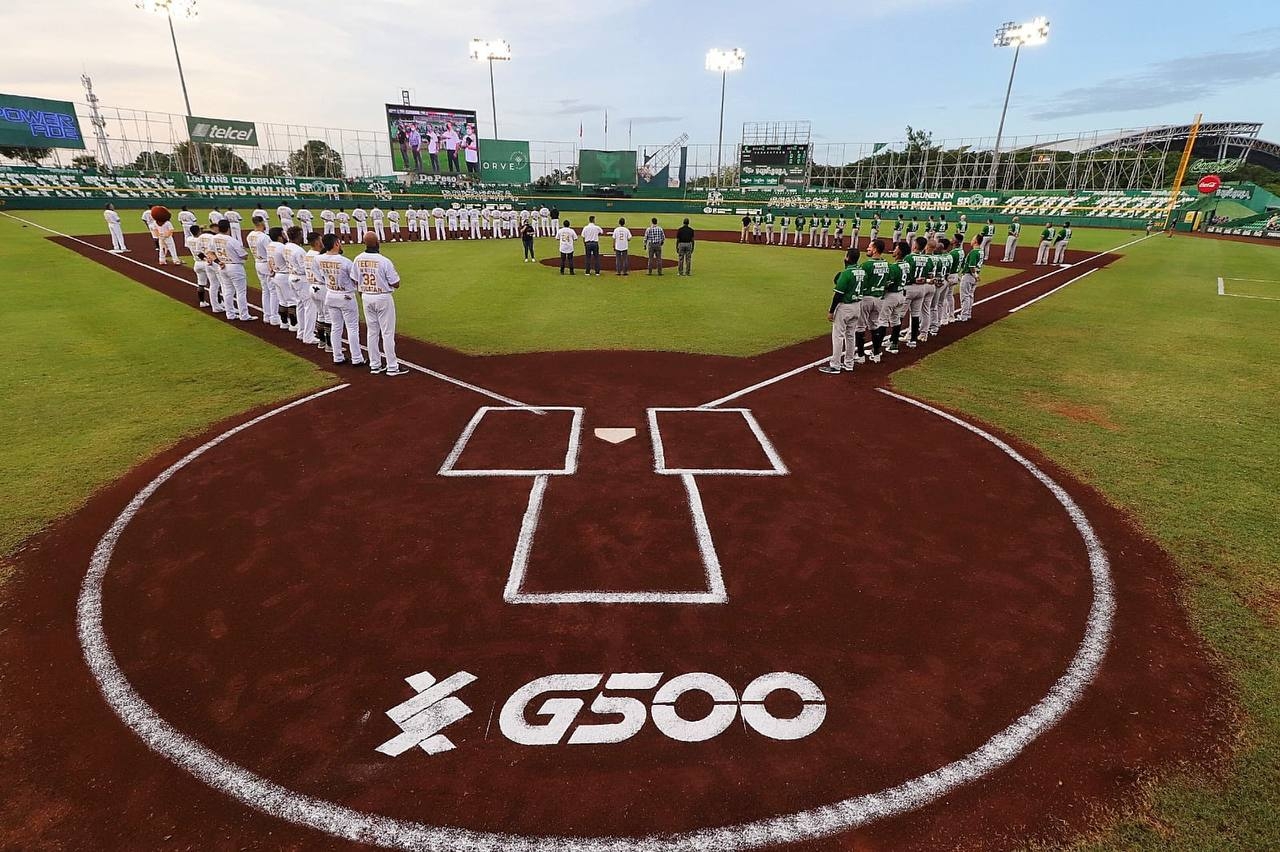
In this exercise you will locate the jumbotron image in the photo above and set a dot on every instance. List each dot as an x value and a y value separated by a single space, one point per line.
492 432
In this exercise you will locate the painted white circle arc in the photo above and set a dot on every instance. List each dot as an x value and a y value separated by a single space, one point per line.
278 801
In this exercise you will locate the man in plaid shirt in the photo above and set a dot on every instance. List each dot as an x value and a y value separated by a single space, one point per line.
653 240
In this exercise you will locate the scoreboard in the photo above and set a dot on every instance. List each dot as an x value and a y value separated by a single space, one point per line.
773 165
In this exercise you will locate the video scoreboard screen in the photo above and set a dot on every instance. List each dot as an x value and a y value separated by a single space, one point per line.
38 123
773 165
434 140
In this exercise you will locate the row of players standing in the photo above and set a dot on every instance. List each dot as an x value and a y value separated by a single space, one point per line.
760 228
424 224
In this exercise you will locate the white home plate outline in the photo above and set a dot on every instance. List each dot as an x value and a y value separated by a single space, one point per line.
276 800
569 467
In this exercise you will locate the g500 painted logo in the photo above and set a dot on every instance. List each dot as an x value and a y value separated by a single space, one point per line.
552 700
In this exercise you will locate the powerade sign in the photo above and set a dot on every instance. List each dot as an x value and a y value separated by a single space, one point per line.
38 123
504 161
222 131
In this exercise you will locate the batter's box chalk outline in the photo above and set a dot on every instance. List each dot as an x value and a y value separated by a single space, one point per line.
1222 288
569 468
776 466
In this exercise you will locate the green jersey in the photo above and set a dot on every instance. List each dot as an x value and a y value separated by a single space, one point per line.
988 230
1046 235
1014 229
799 223
942 224
963 226
920 266
899 223
782 220
875 223
900 272
913 227
929 226
826 223
756 219
813 223
849 284
1064 234
876 271
941 265
840 224
957 260
768 218
973 262
857 223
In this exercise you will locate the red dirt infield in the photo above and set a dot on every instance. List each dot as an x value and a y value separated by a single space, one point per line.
271 597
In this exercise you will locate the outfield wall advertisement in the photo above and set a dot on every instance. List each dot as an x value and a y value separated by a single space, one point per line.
38 123
607 168
222 131
504 161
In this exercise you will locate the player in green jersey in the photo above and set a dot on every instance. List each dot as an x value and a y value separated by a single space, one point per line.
783 221
799 229
768 227
988 234
919 286
1046 242
826 231
1060 241
970 270
912 227
876 268
856 233
840 233
814 224
875 226
843 316
1011 241
756 221
893 304
943 301
930 228
942 224
899 225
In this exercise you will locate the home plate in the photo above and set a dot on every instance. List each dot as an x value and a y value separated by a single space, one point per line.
616 435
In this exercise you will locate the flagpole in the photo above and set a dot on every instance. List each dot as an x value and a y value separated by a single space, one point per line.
606 130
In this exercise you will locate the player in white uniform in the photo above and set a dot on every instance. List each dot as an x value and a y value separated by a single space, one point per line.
288 304
114 228
260 211
339 276
305 218
234 218
344 223
377 279
453 222
185 220
235 285
379 229
326 219
424 225
315 295
473 223
259 244
295 261
544 222
359 217
437 213
215 216
163 235
524 216
201 246
285 214
393 221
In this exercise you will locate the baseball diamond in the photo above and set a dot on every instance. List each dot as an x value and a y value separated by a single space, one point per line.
468 475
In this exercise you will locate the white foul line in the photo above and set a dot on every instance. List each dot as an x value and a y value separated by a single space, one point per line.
1051 292
802 368
434 374
273 799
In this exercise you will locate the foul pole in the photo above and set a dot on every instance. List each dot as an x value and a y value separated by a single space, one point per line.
1182 172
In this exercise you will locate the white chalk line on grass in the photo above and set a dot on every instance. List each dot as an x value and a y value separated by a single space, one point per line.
1222 289
276 800
804 367
1030 302
419 368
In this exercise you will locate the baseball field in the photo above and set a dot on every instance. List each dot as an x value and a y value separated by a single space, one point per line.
652 580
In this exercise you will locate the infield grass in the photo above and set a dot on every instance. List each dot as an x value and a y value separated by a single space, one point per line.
103 373
1141 380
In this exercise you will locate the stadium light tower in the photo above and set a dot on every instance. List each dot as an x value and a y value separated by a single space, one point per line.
1015 35
491 49
183 9
724 61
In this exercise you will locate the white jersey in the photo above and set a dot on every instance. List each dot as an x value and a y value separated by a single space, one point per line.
149 220
394 216
524 216
438 212
314 276
305 216
186 218
259 243
215 216
411 216
326 215
285 212
201 244
275 256
566 236
229 251
338 273
343 218
375 273
258 211
358 214
233 217
295 260
544 212
453 217
376 214
112 217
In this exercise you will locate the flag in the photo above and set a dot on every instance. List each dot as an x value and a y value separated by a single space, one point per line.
606 121
579 129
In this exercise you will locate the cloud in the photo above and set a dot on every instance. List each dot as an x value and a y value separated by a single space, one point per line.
1165 83
573 106
654 119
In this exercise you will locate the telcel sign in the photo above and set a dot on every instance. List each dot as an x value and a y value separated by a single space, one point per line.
222 131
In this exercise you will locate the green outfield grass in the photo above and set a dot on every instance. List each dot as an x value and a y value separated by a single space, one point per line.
1143 381
104 373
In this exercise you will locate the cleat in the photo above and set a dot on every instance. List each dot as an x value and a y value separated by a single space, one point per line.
375 370
829 370
397 372
875 359
911 344
858 359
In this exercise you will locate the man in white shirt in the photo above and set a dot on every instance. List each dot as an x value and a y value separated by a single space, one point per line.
424 225
285 214
473 222
259 210
305 218
544 222
326 218
451 140
339 277
621 242
453 222
286 303
186 219
376 214
437 213
567 236
295 263
162 232
235 285
344 223
114 228
234 218
200 245
393 217
591 245
359 216
377 279
259 244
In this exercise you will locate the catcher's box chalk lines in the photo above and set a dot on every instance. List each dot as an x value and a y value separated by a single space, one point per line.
803 367
276 800
434 374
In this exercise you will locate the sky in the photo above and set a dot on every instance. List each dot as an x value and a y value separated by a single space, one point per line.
859 71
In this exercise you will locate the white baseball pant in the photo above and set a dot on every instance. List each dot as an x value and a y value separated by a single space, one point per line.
344 316
380 317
